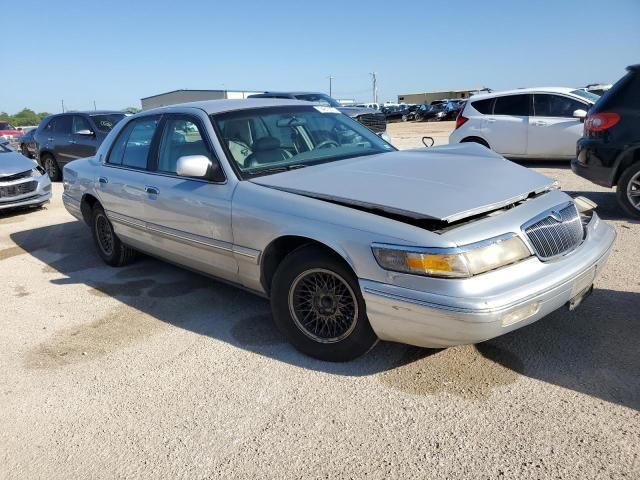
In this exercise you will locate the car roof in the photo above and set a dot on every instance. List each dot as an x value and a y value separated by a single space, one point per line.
564 90
227 105
90 112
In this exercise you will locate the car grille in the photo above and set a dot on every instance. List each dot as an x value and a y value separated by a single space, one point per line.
17 189
16 176
559 232
376 122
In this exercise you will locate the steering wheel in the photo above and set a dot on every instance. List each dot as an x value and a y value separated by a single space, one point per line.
327 144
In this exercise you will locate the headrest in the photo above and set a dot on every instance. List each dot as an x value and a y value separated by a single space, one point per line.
266 143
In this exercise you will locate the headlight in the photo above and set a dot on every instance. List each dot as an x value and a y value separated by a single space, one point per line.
455 262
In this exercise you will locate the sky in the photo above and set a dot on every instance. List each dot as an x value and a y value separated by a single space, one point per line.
116 52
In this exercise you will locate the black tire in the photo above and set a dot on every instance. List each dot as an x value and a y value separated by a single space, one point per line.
475 140
50 164
109 246
628 190
418 118
298 286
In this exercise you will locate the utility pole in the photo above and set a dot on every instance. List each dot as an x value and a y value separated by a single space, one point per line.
375 87
330 85
62 105
94 106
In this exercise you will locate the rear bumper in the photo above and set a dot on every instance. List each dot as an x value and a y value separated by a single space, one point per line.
595 162
427 320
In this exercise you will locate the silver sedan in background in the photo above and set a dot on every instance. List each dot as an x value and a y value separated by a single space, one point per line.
22 181
352 240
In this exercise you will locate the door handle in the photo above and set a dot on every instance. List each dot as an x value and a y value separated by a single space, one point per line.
50 139
103 180
540 123
151 190
72 141
491 120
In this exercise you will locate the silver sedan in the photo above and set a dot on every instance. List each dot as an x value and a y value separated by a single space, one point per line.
22 182
352 240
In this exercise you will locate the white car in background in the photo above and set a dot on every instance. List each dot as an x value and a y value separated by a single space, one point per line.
526 123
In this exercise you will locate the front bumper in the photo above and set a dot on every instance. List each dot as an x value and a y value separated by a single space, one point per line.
421 318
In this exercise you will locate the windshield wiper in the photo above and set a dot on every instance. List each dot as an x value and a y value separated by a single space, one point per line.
283 168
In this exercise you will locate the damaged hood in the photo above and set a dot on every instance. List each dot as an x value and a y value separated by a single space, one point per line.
445 183
12 163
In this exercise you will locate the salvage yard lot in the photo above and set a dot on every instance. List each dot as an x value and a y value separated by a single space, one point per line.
154 370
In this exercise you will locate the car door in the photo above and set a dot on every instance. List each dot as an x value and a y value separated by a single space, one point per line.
84 141
59 141
506 127
190 218
123 177
553 130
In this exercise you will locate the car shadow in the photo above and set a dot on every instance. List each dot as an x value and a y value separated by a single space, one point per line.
592 350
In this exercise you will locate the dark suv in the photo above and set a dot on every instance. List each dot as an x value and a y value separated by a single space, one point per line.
609 152
68 136
372 119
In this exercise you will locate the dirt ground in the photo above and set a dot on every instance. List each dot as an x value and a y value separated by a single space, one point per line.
152 371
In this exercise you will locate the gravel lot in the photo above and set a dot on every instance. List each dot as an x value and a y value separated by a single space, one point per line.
153 371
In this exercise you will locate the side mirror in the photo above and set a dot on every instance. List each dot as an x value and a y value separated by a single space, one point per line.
193 166
581 114
86 133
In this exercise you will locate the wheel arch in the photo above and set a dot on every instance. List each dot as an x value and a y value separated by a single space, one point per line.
627 158
475 139
86 206
284 245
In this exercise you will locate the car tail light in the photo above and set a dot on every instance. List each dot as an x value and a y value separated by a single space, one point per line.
600 121
460 120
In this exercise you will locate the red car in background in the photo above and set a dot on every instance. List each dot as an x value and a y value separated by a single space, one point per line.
10 133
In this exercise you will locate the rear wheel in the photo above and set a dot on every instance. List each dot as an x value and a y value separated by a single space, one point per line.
50 166
110 248
317 304
628 190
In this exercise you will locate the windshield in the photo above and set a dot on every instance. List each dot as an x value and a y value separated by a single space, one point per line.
319 98
6 126
267 140
592 97
106 122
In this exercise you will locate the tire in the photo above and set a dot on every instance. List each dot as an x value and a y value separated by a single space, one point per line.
109 246
405 118
50 164
309 280
418 118
628 190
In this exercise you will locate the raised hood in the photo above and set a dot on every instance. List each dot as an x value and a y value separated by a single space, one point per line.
445 183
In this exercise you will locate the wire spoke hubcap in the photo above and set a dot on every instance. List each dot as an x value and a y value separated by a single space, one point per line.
104 234
323 305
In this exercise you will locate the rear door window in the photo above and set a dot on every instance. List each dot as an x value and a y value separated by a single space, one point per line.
484 106
132 147
62 124
547 105
515 105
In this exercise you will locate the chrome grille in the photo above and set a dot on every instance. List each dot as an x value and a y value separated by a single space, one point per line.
17 176
376 122
558 232
17 189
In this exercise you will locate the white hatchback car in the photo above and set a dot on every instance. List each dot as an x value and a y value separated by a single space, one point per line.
526 123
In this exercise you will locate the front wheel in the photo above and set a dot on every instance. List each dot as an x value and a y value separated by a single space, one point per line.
317 304
628 191
110 248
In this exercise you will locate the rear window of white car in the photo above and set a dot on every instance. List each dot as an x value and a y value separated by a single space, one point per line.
484 106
